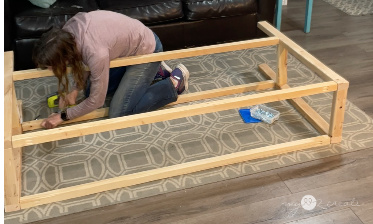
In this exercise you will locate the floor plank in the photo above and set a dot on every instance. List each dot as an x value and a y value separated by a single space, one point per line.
182 204
344 216
259 198
283 209
342 42
365 212
328 171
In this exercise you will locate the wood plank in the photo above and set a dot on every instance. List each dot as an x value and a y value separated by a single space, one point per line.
265 70
17 129
208 94
20 104
213 199
360 92
170 171
331 42
162 56
302 55
299 104
11 183
36 124
282 62
33 74
8 99
310 115
286 208
104 112
197 51
214 196
337 115
16 114
343 216
329 171
364 212
168 114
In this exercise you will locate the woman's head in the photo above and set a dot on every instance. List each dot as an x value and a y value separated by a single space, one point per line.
57 49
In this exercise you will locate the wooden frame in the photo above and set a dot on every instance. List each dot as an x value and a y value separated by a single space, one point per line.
14 140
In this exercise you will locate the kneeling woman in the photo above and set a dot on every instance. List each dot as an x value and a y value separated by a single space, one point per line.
94 39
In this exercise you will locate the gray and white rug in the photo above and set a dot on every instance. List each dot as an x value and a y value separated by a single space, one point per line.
353 7
85 159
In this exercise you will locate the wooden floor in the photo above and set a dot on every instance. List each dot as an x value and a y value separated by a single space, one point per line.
342 42
343 185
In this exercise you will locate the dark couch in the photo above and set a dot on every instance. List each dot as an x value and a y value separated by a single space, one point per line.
178 23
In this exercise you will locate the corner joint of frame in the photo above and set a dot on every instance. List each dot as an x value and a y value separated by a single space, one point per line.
12 208
342 84
335 140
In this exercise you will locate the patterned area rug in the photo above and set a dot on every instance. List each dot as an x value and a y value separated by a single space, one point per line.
353 7
100 156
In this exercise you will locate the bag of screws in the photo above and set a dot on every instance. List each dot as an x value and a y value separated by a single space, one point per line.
265 114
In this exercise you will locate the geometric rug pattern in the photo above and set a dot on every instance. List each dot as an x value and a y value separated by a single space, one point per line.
353 7
79 160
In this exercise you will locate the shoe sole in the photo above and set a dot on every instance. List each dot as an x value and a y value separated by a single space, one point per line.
165 66
185 71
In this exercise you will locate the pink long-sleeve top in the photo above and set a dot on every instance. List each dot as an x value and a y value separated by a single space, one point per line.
102 36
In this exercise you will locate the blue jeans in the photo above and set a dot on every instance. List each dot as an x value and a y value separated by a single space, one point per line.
133 93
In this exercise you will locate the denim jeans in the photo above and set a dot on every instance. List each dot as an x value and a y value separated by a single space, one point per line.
133 93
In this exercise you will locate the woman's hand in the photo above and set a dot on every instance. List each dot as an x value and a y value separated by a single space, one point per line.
70 99
52 121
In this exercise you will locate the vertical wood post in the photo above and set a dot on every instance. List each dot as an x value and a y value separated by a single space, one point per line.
17 129
12 156
337 113
282 62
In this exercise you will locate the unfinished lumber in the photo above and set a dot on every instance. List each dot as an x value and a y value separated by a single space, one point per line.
168 114
282 63
104 112
170 171
14 139
337 115
302 55
162 56
11 175
299 104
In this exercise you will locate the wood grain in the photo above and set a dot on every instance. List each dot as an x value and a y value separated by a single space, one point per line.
365 212
344 216
342 42
258 198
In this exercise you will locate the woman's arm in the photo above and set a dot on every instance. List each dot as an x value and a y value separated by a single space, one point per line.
99 79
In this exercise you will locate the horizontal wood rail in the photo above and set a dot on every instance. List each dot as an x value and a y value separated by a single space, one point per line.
306 110
170 171
168 114
162 56
103 112
14 140
302 55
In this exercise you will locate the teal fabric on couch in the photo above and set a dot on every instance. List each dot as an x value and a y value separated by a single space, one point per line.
43 3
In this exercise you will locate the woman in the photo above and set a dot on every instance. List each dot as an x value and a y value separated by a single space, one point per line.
94 39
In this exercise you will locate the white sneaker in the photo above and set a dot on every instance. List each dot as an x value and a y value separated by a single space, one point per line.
166 67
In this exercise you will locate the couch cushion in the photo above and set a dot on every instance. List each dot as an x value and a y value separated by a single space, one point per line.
23 54
147 11
31 21
233 28
206 9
